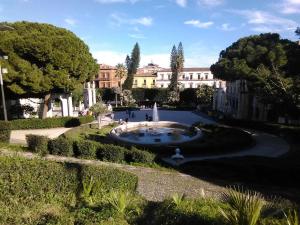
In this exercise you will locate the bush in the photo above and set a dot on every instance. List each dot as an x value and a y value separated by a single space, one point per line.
61 146
5 129
111 153
37 143
41 190
35 123
86 149
139 156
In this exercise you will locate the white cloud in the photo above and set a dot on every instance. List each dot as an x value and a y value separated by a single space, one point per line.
109 57
261 20
116 1
227 27
210 3
119 19
137 36
181 3
70 21
197 23
146 21
288 6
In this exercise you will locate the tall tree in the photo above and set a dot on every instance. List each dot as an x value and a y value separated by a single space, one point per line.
176 64
269 64
121 72
132 64
297 31
44 59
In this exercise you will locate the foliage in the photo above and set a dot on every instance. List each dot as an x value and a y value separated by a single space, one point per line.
176 64
245 207
44 58
99 109
111 153
132 64
128 98
34 123
85 149
60 146
121 72
5 130
45 192
205 94
139 156
37 144
269 64
178 199
77 94
292 217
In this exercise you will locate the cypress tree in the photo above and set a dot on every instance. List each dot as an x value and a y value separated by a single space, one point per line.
132 64
173 65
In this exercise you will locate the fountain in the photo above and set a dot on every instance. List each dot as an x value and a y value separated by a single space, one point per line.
155 132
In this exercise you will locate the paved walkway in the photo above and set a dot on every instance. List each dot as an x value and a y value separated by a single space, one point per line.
266 145
186 117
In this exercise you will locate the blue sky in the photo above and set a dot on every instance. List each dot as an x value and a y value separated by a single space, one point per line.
205 27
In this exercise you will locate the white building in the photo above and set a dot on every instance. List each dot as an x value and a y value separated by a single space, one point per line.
188 78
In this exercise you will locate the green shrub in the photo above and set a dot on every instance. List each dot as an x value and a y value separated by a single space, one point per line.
139 156
37 143
44 192
61 146
5 129
111 153
86 149
35 123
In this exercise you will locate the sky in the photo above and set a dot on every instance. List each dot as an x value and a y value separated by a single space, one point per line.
205 27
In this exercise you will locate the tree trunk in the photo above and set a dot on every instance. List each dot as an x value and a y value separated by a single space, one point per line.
46 105
99 122
116 100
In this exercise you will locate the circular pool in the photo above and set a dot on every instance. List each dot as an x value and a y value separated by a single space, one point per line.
155 133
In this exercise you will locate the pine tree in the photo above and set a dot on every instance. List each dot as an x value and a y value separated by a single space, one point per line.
132 64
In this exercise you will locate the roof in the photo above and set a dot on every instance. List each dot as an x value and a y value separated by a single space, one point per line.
106 67
145 75
191 69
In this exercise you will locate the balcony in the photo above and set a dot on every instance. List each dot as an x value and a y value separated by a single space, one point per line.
103 79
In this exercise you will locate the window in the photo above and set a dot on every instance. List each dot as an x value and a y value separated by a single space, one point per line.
169 76
162 76
135 81
153 81
191 85
161 85
183 76
191 76
206 76
199 76
145 82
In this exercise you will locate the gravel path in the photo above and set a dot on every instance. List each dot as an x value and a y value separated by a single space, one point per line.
153 184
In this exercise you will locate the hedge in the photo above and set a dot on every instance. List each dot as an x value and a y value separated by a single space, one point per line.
5 130
85 149
35 123
111 153
37 143
139 156
61 146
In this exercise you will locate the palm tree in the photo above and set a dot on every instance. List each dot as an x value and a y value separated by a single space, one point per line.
99 109
121 72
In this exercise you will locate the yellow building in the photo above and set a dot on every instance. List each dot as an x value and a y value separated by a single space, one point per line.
144 80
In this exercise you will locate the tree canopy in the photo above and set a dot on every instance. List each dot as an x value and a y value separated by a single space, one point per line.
271 64
44 59
132 64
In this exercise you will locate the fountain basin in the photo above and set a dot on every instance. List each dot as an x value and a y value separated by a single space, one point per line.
155 133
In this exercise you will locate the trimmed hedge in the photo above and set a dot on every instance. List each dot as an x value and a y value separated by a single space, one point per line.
61 146
35 123
111 153
86 149
37 143
5 130
140 156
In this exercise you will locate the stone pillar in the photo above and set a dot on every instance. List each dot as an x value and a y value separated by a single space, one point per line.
94 93
64 106
70 105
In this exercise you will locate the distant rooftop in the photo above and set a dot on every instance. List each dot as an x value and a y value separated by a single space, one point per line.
191 69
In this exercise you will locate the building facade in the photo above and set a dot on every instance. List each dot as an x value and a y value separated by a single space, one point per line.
188 78
235 100
107 77
144 80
